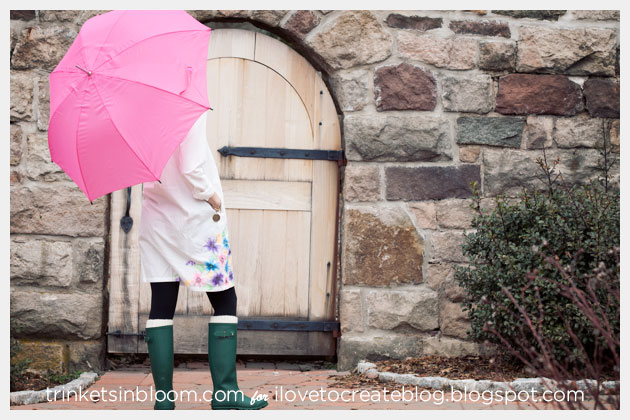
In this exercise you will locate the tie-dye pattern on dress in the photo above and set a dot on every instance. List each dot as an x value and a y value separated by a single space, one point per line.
215 272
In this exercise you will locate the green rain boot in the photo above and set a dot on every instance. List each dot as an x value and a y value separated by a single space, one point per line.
160 344
222 360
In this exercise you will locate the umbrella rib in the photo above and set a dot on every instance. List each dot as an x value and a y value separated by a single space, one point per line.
142 40
154 87
108 35
76 145
119 133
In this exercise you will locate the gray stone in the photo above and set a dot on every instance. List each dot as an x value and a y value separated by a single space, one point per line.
42 47
350 310
581 51
454 213
528 385
538 132
59 392
493 131
497 55
415 307
86 355
58 210
361 182
509 171
363 367
38 164
579 131
89 260
430 182
376 346
450 347
22 88
41 262
468 93
58 315
350 39
270 17
457 53
397 138
381 247
353 89
447 246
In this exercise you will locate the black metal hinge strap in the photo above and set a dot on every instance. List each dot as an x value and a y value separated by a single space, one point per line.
279 153
284 325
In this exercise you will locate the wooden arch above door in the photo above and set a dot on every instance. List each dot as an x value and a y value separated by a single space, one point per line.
282 213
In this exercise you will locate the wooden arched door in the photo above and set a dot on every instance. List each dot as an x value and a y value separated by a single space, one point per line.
282 207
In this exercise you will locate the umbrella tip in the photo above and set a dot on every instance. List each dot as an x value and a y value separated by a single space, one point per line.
91 202
159 181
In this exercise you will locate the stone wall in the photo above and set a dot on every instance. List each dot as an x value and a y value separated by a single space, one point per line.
430 100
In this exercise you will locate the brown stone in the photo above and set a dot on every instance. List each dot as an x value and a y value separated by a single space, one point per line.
361 183
42 48
454 213
454 321
43 108
456 53
352 38
403 87
22 89
532 14
350 312
469 154
497 55
430 182
602 97
480 27
16 144
43 355
596 14
381 247
424 212
418 23
22 14
524 94
302 22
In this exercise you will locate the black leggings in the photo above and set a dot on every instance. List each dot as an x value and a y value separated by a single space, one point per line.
164 300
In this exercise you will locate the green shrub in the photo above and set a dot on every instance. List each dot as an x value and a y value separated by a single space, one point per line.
579 223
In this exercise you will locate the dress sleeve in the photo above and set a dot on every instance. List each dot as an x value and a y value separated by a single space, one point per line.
193 158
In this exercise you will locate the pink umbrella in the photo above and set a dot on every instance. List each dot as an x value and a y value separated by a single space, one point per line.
125 95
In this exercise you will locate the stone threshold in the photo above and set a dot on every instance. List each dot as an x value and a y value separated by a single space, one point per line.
58 392
538 385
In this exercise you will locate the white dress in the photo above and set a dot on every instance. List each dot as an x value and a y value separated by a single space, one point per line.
179 240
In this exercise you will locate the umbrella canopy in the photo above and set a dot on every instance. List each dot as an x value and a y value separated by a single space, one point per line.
125 95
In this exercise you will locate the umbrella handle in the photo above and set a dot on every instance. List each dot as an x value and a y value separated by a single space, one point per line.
188 78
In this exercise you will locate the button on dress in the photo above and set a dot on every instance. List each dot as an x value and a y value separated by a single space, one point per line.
179 240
